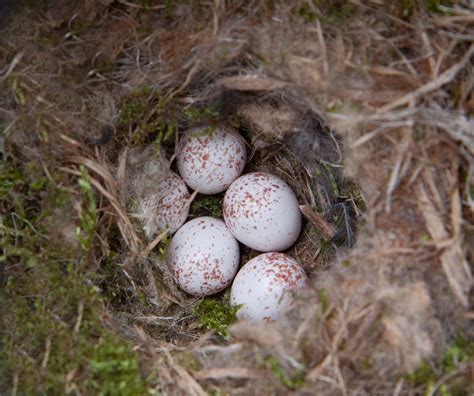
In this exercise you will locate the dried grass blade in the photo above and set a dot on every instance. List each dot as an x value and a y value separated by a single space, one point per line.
223 373
443 79
153 244
251 83
315 372
121 174
185 381
101 170
453 262
328 230
397 172
16 60
125 226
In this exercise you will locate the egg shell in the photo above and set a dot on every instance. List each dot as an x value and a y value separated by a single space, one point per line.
264 286
203 256
262 212
210 159
168 206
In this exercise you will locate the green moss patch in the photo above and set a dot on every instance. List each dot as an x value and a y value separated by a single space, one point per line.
53 338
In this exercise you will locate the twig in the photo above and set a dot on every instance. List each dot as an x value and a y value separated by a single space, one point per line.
328 230
398 388
323 47
404 156
47 348
80 312
16 381
12 66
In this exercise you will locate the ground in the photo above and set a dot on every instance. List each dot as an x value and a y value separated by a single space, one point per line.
364 108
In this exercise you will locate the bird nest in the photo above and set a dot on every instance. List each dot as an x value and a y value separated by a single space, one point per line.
364 110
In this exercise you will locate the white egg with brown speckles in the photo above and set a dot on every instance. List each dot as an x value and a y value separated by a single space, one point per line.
262 212
264 286
210 159
167 207
203 256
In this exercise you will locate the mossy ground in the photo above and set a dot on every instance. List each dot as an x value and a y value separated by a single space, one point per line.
216 315
54 339
427 376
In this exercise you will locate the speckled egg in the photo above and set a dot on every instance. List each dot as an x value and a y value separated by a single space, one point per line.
262 212
167 207
264 286
210 159
203 256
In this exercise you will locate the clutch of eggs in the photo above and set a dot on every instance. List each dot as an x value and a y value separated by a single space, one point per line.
263 286
262 212
211 158
203 256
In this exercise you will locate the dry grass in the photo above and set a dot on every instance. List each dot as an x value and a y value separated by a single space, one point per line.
328 95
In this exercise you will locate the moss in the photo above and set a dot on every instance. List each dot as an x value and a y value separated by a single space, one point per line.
146 113
439 6
10 179
200 113
146 4
335 12
260 59
53 340
135 106
331 12
189 361
218 392
332 176
426 375
408 8
164 134
424 237
105 66
216 315
306 13
417 135
88 215
17 90
326 246
115 369
356 193
207 205
292 383
323 299
162 247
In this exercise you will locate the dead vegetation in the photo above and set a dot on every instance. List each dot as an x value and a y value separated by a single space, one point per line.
365 108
